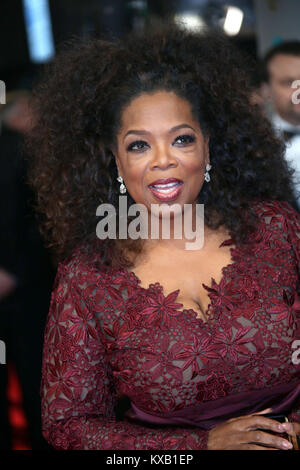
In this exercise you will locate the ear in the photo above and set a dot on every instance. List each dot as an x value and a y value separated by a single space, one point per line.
118 164
206 150
265 91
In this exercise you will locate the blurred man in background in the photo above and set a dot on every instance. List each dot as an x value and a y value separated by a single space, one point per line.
281 68
26 272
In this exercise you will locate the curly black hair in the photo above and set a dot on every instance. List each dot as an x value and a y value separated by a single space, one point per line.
78 104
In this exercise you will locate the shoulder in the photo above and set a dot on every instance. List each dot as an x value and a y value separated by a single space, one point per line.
83 281
84 270
276 212
81 269
278 220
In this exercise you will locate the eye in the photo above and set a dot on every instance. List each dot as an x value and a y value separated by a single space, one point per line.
184 139
137 146
287 83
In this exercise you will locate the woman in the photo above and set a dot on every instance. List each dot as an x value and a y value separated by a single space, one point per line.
150 345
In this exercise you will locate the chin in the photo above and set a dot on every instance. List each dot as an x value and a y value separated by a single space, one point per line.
163 210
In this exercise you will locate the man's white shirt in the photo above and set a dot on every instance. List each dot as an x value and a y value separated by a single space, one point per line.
292 153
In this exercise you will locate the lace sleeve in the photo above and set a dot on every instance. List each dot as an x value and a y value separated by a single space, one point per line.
78 397
291 225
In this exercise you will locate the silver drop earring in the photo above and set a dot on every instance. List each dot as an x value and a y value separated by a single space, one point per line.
206 174
122 185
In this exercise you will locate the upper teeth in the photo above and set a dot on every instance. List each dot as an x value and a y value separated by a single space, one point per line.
168 185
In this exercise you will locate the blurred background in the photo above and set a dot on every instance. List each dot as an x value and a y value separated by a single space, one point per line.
31 32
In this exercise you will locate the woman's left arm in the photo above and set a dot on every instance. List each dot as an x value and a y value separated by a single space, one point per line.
78 392
291 224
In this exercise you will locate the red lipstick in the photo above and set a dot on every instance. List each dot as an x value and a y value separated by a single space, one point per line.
167 189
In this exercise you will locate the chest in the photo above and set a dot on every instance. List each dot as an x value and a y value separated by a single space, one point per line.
186 273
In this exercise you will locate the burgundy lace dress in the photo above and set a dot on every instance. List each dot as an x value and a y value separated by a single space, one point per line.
107 337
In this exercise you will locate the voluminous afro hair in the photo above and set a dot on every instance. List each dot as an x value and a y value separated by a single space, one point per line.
78 105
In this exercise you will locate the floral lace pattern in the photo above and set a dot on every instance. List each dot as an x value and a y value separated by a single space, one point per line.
106 337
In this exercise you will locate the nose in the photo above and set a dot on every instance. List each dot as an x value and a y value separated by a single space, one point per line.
163 158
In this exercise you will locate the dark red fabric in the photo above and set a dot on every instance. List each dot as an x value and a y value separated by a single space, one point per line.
107 337
280 398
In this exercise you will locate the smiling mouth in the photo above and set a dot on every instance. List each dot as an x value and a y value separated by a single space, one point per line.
166 192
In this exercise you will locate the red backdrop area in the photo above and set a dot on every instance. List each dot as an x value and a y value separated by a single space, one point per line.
16 414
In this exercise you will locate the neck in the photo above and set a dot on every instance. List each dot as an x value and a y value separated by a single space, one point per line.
180 230
292 120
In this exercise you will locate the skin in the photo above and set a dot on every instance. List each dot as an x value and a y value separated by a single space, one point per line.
149 148
160 138
283 71
251 433
168 143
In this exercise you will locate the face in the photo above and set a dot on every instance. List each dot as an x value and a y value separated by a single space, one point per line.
283 70
160 139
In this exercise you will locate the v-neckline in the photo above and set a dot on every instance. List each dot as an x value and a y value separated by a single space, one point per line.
213 285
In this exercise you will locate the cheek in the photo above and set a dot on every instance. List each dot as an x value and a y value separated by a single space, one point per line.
133 175
133 170
134 178
195 173
283 94
195 166
292 95
276 92
288 94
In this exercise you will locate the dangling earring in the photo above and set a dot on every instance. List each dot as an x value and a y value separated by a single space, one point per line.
122 185
206 174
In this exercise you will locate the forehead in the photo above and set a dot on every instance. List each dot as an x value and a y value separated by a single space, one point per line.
285 66
155 108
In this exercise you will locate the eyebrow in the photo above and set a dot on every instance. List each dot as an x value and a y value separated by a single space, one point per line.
173 129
